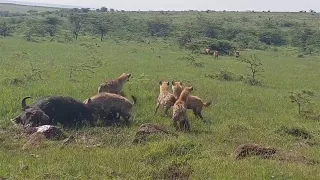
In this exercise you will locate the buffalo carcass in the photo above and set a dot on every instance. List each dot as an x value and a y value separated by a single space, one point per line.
53 110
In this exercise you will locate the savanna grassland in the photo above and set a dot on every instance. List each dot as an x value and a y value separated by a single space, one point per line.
42 65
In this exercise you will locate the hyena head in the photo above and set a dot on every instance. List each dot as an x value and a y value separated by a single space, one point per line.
177 88
124 77
164 85
184 96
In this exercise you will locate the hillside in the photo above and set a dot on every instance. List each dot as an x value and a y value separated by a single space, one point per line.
18 8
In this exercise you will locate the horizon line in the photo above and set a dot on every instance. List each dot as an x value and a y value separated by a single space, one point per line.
67 6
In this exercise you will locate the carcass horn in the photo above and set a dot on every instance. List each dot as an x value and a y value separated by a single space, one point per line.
23 102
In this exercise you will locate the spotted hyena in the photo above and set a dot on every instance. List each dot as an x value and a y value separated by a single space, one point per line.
165 98
114 86
104 103
194 102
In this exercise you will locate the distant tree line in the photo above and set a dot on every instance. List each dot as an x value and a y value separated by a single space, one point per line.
193 30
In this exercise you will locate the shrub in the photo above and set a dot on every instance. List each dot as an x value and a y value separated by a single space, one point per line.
159 27
272 37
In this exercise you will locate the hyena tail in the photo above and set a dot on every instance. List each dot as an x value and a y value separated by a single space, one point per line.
207 104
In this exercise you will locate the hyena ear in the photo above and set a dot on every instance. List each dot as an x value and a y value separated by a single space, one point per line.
129 75
160 82
173 82
168 83
180 83
191 88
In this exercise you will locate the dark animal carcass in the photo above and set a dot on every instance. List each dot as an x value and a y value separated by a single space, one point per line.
53 110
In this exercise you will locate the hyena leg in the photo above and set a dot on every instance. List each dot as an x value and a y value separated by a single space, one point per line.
157 107
166 109
195 112
200 114
175 122
185 125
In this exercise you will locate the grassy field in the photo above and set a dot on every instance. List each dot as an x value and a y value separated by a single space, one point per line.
240 113
15 8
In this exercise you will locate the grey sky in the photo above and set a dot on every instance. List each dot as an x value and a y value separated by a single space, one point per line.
241 5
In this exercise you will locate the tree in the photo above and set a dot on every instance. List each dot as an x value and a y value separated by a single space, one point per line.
103 9
159 27
85 10
255 66
101 25
51 24
302 99
312 11
272 37
34 27
76 23
4 29
184 39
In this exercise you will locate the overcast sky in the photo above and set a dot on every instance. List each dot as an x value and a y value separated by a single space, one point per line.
258 5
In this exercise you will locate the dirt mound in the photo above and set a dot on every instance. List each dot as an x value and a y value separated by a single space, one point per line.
34 141
245 150
295 131
148 129
294 158
174 171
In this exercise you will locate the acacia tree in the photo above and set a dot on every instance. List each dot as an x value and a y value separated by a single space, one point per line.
302 99
255 66
101 25
51 24
76 23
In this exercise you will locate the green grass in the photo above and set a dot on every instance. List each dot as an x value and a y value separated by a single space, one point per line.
240 113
